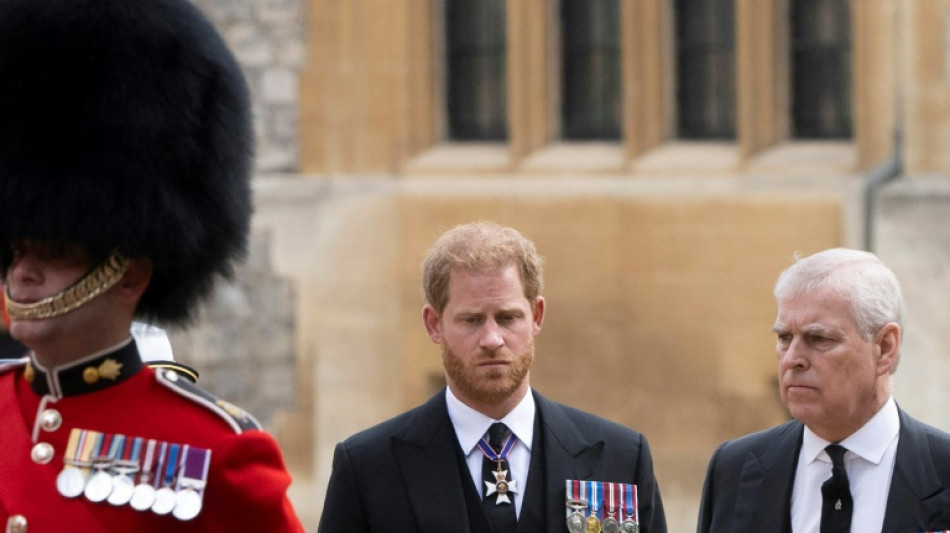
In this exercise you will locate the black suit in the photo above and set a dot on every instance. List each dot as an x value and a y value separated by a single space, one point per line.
749 481
404 475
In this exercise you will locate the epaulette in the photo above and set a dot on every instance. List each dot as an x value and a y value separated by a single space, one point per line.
239 419
182 370
11 364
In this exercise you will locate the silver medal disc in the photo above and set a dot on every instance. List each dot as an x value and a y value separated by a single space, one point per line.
70 482
629 526
611 525
576 523
122 489
142 497
164 501
187 505
99 487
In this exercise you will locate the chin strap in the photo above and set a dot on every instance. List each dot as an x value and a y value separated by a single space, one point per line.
92 285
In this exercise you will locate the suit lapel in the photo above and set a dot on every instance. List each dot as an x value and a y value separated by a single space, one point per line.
426 453
915 493
568 455
763 497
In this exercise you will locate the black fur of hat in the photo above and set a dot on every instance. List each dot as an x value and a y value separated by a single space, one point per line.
126 124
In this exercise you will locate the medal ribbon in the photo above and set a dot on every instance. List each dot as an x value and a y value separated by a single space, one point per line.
614 491
126 452
147 463
596 490
631 504
569 494
133 457
505 449
116 444
159 465
90 449
194 468
582 485
171 465
74 446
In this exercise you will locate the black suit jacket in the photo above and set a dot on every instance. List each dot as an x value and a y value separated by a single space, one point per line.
749 481
403 475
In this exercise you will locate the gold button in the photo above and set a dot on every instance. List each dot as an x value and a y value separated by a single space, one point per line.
50 420
90 375
42 453
28 373
16 524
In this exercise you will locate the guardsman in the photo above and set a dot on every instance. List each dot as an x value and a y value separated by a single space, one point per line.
125 165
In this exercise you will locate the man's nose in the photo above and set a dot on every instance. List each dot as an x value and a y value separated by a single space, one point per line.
23 269
795 355
491 338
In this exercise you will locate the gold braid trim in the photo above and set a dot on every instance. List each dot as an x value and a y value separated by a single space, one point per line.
96 282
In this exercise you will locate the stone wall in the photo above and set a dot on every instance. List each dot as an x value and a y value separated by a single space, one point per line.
913 238
242 343
267 37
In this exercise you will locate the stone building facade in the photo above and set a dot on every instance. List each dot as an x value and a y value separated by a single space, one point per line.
661 251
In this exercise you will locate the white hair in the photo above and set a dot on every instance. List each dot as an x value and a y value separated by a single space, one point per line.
856 276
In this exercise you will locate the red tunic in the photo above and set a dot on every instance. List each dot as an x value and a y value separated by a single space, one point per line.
247 481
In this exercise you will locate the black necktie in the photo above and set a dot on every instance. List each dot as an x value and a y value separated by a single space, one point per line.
502 516
836 503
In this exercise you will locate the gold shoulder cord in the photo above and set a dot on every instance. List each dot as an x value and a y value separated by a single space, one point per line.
96 282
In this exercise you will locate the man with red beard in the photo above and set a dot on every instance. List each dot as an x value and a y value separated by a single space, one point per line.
488 453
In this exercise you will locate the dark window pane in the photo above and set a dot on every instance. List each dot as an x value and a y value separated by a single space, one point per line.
590 51
477 88
821 69
706 69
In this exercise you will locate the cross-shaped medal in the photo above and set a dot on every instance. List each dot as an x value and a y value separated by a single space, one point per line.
502 486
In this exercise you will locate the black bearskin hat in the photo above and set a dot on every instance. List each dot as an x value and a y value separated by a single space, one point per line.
125 125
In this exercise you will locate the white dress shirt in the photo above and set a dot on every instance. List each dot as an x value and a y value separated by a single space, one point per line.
471 426
869 463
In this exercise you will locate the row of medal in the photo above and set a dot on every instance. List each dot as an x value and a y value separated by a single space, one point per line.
600 506
146 474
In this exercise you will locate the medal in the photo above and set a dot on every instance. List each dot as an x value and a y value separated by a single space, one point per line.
612 504
165 496
595 489
631 519
122 489
66 482
100 485
191 482
144 494
82 444
127 463
187 504
576 506
502 486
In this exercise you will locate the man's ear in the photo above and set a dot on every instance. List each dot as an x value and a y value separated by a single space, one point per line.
136 278
888 340
433 323
537 314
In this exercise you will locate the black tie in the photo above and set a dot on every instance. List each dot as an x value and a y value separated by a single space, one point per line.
502 517
836 504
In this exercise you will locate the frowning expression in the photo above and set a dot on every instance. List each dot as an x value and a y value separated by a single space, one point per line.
830 377
487 332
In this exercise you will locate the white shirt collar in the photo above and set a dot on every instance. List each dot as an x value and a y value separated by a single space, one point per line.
471 425
870 442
